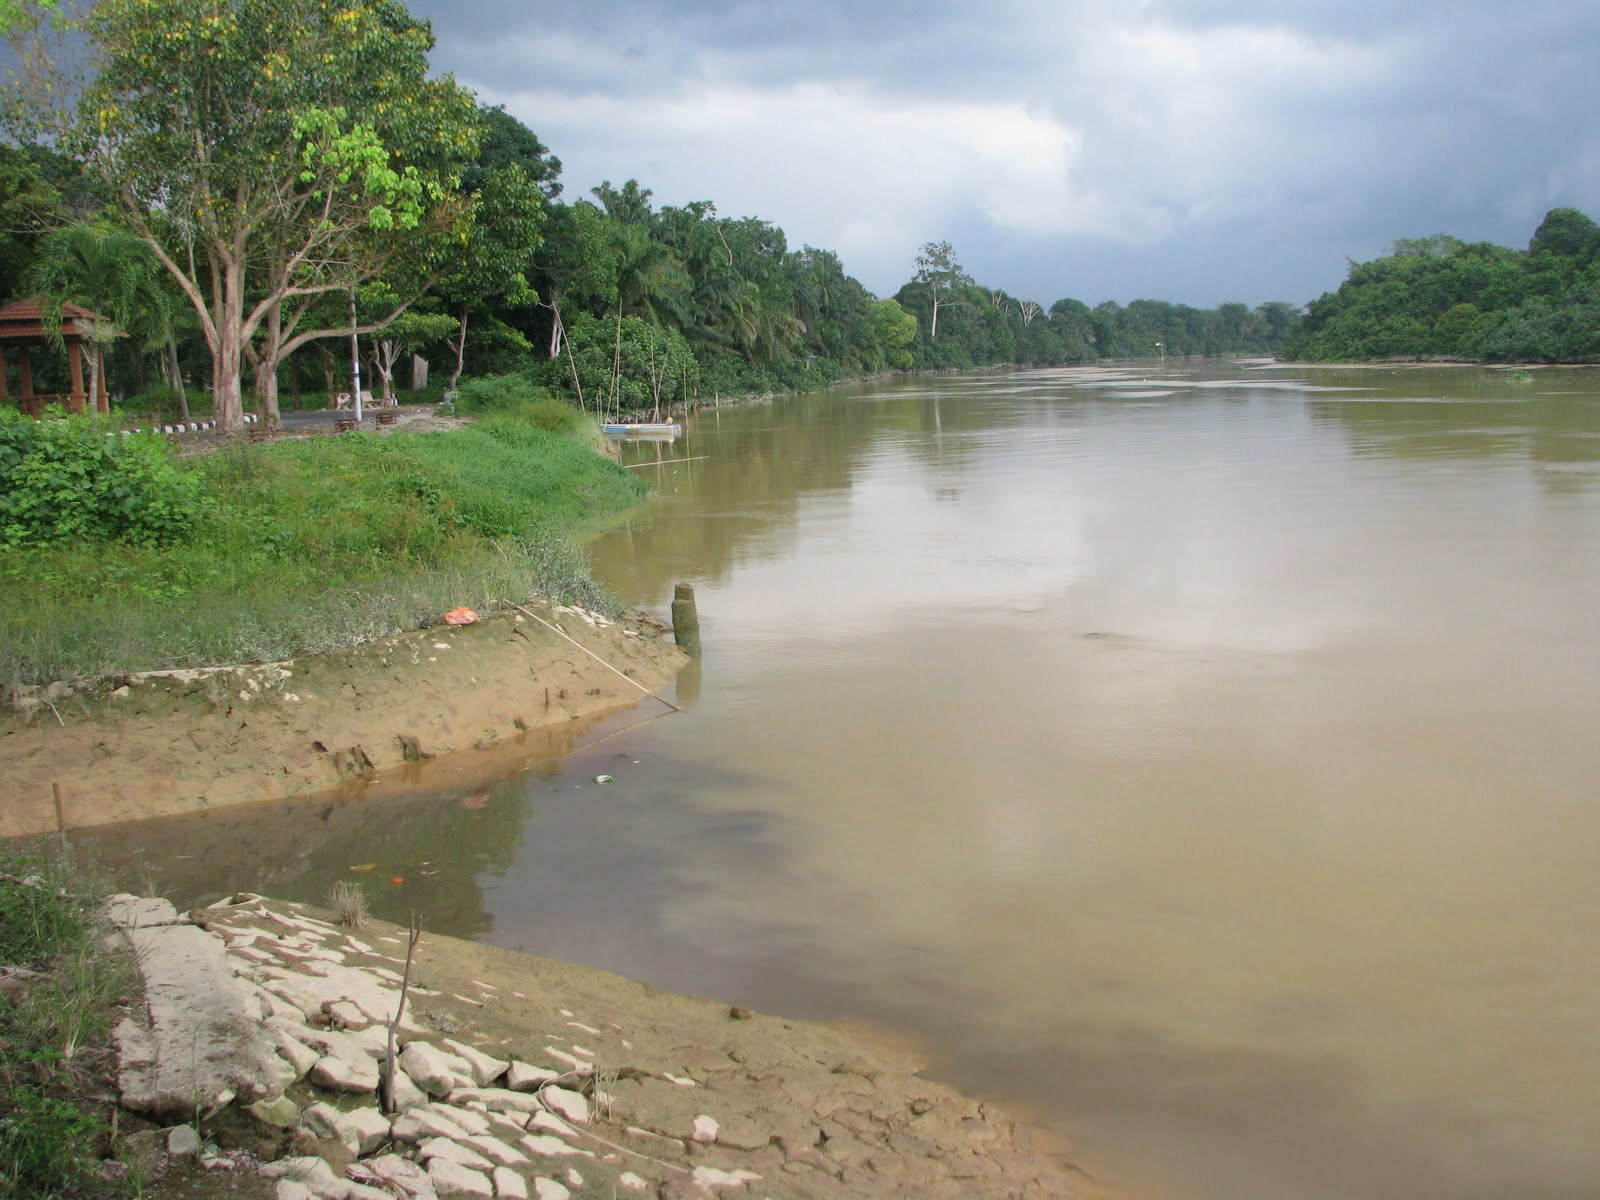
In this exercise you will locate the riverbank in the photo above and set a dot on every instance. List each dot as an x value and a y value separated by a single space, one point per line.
433 707
515 1076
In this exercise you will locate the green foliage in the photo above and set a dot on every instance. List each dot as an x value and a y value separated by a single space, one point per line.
497 394
72 479
54 1033
1440 297
311 545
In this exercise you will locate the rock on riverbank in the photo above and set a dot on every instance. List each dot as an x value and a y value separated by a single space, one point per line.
517 1077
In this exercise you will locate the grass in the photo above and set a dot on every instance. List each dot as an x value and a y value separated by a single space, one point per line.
315 545
55 1029
348 902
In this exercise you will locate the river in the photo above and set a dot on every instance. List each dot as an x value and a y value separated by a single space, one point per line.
1204 758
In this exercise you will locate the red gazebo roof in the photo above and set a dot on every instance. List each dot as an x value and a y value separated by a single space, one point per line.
23 320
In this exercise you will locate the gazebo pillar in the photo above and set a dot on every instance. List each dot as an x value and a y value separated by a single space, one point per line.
103 401
76 398
25 365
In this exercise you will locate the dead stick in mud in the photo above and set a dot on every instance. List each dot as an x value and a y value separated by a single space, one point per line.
561 632
394 1024
61 824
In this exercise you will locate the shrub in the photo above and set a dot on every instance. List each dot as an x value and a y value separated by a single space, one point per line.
158 402
70 479
497 393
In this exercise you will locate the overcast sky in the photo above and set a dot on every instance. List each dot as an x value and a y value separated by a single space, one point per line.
1189 150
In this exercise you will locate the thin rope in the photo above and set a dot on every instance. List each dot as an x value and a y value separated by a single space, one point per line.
563 633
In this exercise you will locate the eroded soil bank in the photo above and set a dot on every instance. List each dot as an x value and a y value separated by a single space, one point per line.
444 703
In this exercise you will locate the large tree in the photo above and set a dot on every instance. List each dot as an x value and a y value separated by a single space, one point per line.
942 276
272 152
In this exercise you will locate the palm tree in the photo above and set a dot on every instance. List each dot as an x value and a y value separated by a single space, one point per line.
112 273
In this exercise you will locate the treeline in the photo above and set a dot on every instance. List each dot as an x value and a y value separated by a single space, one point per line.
1442 298
346 186
961 323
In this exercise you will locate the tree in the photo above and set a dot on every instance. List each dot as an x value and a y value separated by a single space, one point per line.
272 152
489 273
575 264
940 273
112 273
1567 233
507 142
896 329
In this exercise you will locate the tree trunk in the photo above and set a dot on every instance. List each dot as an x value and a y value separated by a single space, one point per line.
327 374
616 367
177 378
267 369
461 350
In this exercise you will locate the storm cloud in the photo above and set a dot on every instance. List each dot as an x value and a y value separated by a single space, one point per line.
1191 150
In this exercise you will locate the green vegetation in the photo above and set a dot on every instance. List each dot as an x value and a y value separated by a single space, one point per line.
69 480
315 545
56 1014
1442 298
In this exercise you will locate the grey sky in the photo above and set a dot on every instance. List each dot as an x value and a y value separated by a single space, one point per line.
1190 150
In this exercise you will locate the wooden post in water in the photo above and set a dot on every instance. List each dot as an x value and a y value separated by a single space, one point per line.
685 619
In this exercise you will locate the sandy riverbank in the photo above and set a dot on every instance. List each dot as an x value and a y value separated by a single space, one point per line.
551 1078
430 707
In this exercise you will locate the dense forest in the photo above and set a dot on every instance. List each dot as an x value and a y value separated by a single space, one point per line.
234 192
1442 298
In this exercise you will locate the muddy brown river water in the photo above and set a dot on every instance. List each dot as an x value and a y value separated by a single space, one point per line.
1205 758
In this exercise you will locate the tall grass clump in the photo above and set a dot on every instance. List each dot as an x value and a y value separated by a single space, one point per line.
318 544
63 996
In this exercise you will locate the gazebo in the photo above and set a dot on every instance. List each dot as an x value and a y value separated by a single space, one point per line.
22 328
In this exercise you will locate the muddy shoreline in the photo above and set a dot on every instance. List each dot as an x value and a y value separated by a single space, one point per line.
428 708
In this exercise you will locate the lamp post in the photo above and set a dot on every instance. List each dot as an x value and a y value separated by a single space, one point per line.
1162 346
355 355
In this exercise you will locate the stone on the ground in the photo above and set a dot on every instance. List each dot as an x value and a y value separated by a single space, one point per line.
498 1099
322 1119
549 1189
509 1185
551 1147
405 1095
358 1076
484 1070
452 1179
290 1189
631 1181
567 1104
419 1123
281 1113
400 1176
472 1122
552 1123
300 1057
456 1152
493 1148
309 1170
139 912
346 1015
195 1040
183 1141
367 1126
525 1077
713 1178
434 1071
705 1129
